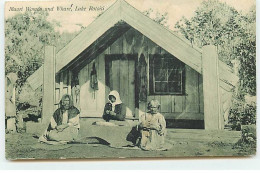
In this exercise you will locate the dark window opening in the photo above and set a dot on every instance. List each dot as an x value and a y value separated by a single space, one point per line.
166 75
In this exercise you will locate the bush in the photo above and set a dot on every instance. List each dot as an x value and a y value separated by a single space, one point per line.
242 113
247 143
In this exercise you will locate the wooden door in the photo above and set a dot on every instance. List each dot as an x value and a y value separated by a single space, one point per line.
121 77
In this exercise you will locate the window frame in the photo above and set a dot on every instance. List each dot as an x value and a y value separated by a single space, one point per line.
151 78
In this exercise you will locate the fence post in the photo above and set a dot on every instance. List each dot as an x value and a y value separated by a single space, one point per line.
210 73
48 83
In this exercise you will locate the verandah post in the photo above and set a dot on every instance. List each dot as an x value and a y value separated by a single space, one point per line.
210 73
48 83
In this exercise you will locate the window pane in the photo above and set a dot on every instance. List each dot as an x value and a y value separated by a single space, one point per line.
171 63
174 75
160 63
160 74
174 63
161 87
175 87
167 75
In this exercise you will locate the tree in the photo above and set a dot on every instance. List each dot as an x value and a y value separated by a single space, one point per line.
25 36
218 24
162 19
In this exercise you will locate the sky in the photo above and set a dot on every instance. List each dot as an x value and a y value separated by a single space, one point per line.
70 20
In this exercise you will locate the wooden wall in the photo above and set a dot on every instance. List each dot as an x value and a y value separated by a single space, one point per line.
92 101
188 106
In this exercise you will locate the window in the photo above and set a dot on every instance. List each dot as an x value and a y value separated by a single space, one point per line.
166 75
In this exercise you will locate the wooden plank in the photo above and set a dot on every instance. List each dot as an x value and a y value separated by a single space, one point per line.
183 116
115 75
117 46
49 83
178 105
131 84
227 104
191 88
82 76
225 95
212 116
88 96
142 109
158 98
123 82
227 74
201 96
57 98
226 115
65 78
173 103
221 108
225 86
166 103
36 79
61 85
69 82
101 93
128 41
150 97
65 82
108 73
152 47
140 46
57 90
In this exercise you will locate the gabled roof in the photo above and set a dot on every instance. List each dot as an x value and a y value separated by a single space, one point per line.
122 11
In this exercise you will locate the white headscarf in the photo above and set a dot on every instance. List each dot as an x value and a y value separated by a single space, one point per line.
117 96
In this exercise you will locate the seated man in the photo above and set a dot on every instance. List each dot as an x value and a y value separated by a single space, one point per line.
64 124
114 109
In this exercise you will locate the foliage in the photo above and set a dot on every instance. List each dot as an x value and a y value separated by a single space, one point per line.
242 113
247 142
25 37
162 19
233 33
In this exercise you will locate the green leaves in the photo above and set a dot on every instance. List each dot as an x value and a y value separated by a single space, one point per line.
25 37
233 33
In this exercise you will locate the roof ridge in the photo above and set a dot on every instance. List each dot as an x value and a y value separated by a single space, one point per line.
171 31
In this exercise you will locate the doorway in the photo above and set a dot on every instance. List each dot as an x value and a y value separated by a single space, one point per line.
120 76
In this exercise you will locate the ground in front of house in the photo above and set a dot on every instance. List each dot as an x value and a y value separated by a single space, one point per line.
183 142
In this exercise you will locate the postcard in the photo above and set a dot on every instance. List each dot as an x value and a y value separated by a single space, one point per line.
130 79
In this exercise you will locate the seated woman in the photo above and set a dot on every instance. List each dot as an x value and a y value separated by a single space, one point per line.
64 124
152 127
114 109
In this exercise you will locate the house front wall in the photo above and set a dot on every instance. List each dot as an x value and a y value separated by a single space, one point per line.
91 102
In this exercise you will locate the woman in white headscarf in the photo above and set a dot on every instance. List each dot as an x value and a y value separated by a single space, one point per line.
114 109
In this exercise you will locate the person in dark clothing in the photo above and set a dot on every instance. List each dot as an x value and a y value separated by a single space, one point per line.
114 109
64 124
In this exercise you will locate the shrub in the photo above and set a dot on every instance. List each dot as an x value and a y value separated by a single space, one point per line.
247 143
242 113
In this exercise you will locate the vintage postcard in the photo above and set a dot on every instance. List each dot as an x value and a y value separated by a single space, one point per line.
130 79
